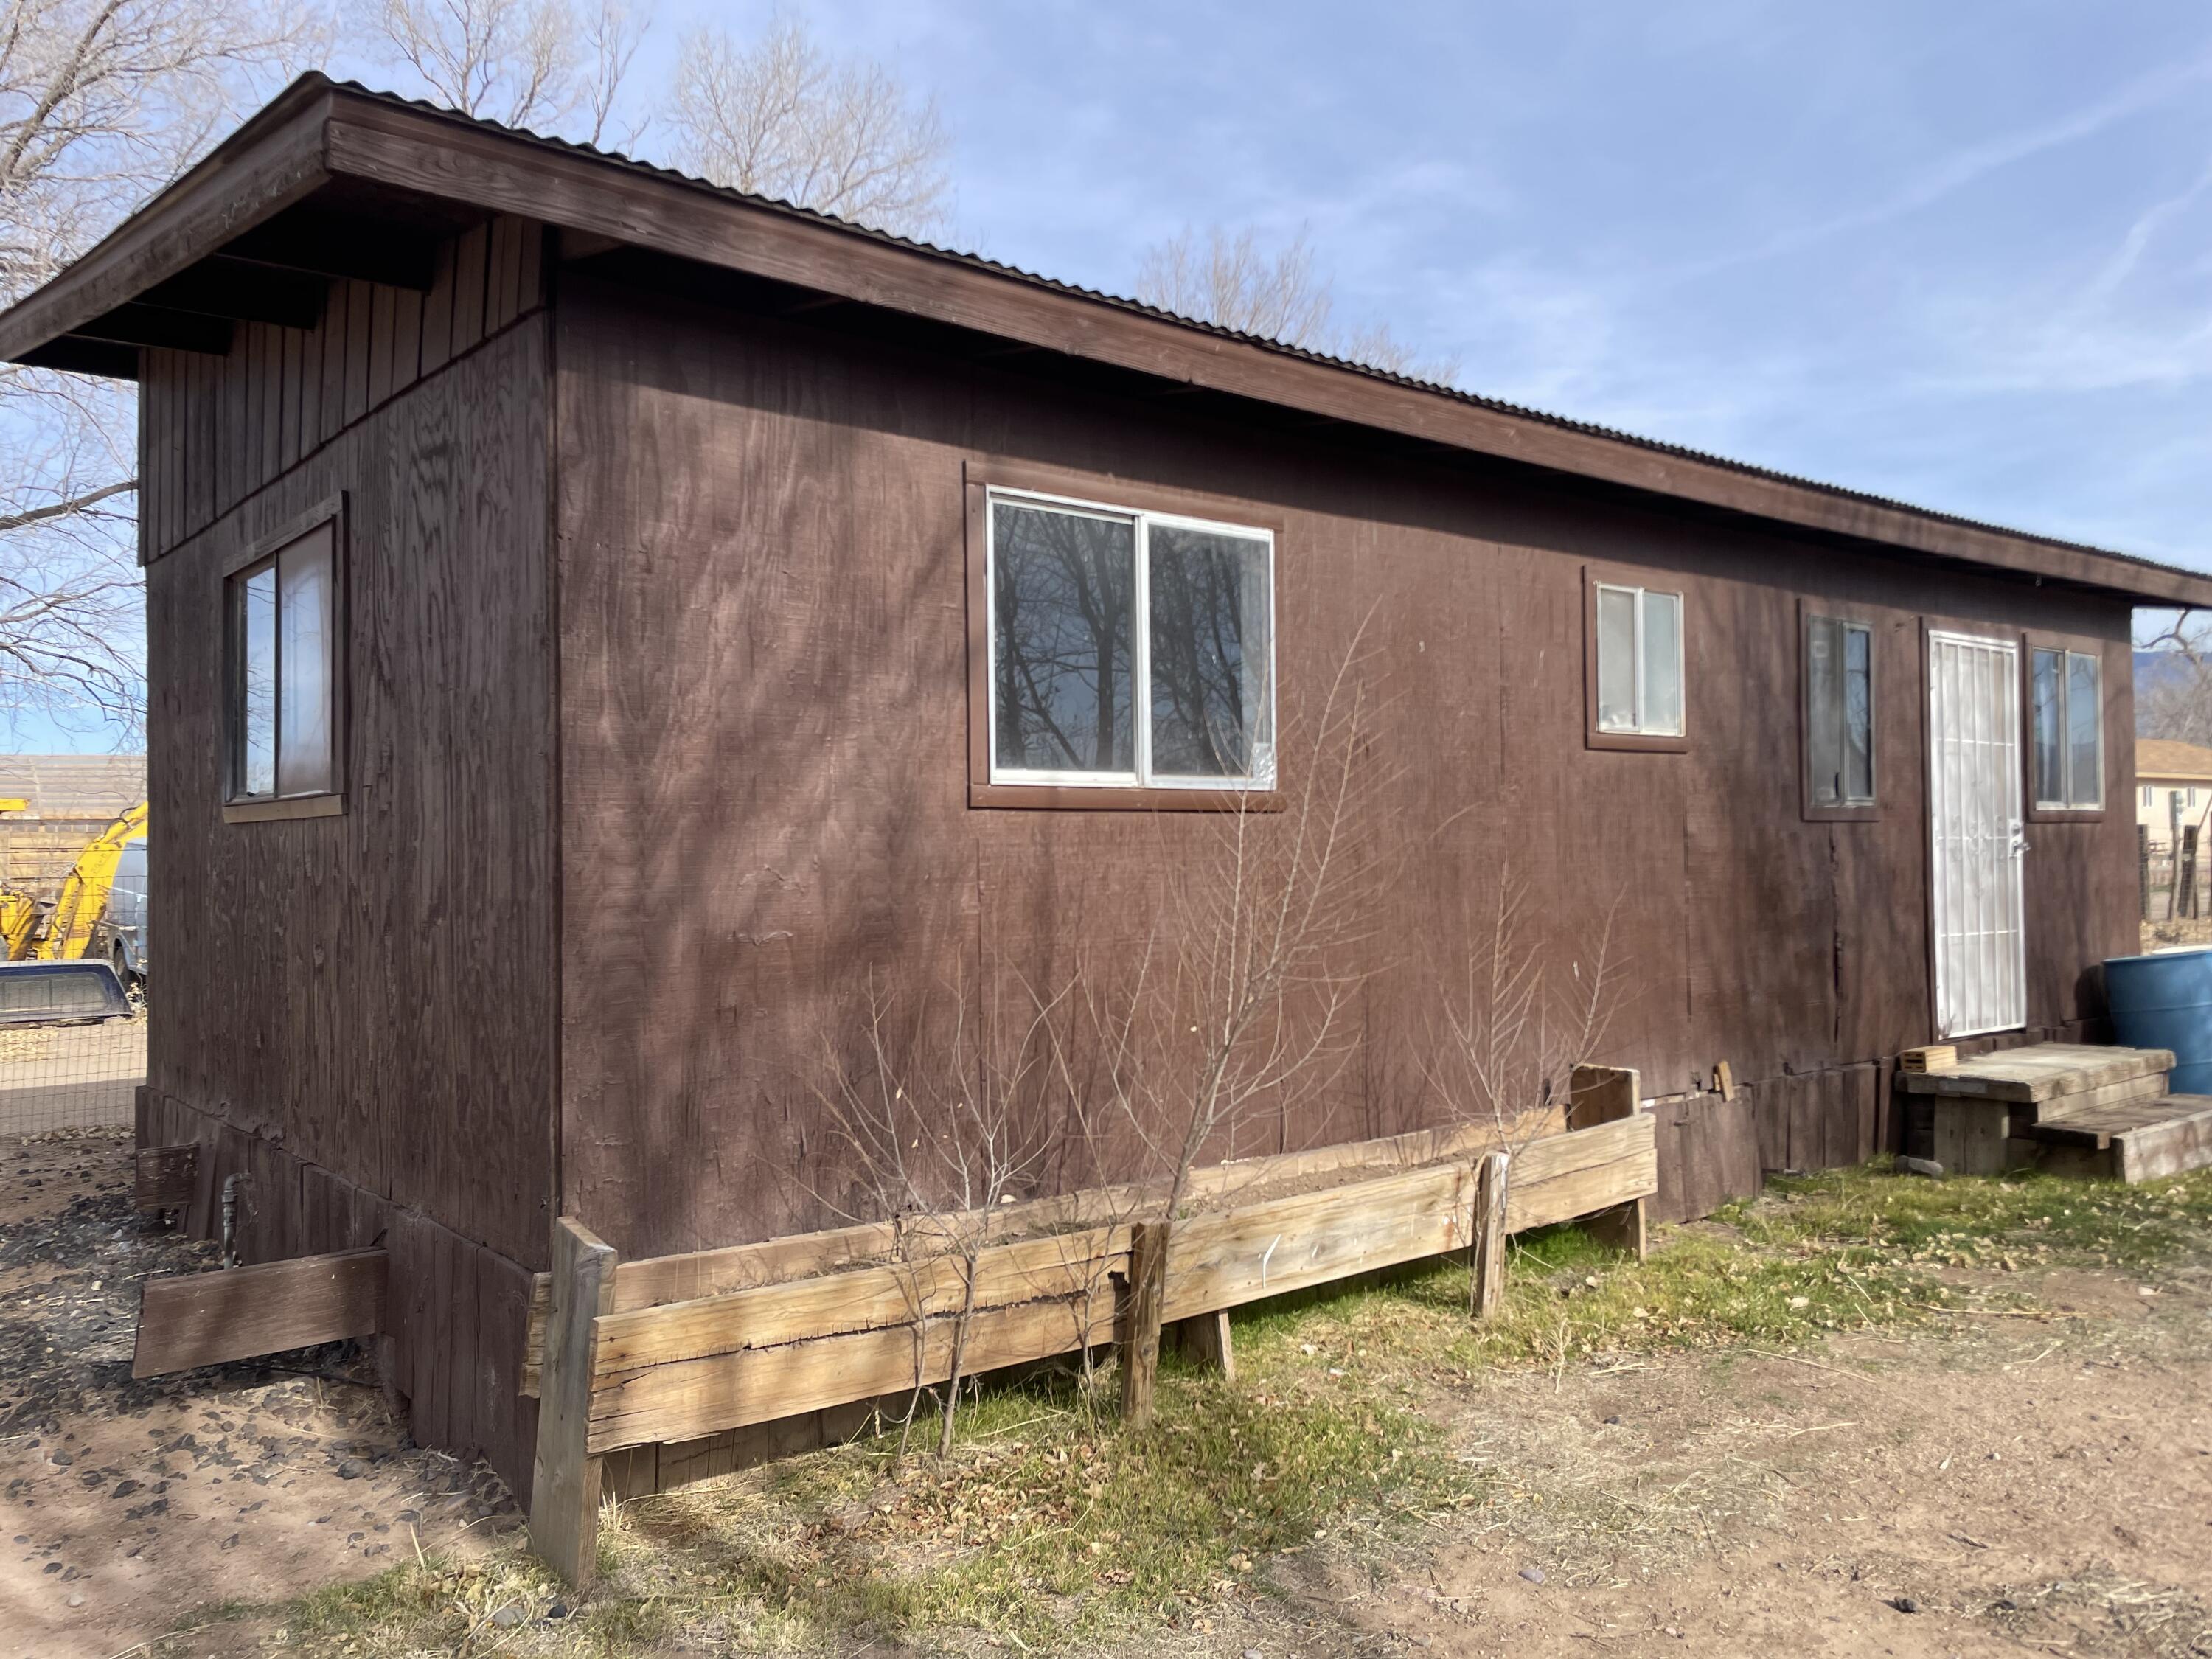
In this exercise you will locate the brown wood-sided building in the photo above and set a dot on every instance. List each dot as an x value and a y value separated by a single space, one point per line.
575 656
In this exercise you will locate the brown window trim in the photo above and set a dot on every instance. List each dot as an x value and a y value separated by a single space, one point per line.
1621 575
1812 811
2031 642
981 476
323 804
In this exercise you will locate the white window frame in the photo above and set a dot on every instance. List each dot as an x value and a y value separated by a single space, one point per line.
1636 668
1263 756
2066 661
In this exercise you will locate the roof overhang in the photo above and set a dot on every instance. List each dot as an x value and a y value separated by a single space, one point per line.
331 181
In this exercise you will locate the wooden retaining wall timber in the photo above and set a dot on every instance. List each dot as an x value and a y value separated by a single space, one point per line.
654 1281
684 1370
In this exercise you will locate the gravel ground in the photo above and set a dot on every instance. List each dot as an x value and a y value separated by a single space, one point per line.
132 1505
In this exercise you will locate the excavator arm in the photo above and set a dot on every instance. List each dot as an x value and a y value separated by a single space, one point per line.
84 897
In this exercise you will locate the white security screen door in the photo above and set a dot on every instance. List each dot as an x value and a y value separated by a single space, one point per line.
1974 811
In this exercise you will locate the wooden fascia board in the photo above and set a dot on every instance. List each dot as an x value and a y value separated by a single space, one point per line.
244 182
411 150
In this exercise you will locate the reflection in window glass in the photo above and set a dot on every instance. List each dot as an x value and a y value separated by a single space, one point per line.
304 621
1662 663
257 690
283 631
2085 771
1062 589
1859 714
2047 693
1209 651
1616 659
1839 712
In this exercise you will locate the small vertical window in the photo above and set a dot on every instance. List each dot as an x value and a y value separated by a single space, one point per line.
1839 712
2145 794
2067 691
283 703
1639 661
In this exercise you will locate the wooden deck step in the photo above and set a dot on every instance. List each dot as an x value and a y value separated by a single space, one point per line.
2131 1141
2040 1073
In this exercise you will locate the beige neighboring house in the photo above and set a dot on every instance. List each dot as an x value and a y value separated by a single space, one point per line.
2173 784
52 804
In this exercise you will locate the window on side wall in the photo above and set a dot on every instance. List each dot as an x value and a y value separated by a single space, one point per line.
2067 695
1838 713
1636 683
1128 649
281 618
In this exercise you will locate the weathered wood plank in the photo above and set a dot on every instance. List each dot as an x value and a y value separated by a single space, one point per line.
2040 1072
564 1496
164 1176
654 1281
868 1299
190 1320
2179 1143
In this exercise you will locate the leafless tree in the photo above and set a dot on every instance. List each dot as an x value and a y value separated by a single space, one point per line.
1237 1009
540 64
926 1108
2175 701
103 102
1279 294
779 117
1521 1023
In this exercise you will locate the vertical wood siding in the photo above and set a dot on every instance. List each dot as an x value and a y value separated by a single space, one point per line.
220 428
763 732
373 991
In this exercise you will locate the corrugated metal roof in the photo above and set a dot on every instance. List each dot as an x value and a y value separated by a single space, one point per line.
1518 411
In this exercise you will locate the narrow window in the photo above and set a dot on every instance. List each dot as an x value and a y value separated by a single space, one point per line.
1839 712
1129 649
283 683
2070 725
1639 661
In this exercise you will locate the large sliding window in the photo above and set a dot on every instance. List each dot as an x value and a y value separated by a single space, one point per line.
1838 713
2068 695
1128 649
281 650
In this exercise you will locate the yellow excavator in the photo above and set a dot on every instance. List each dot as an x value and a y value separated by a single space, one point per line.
68 927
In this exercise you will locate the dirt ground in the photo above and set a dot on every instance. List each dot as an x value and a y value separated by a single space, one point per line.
2027 1485
2038 1484
129 1504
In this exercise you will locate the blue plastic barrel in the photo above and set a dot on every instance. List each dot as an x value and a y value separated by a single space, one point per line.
2165 1001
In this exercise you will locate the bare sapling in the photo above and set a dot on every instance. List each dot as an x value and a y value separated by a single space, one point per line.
1511 1038
934 1114
1248 975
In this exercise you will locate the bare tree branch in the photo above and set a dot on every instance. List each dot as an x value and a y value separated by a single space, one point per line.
1230 280
781 118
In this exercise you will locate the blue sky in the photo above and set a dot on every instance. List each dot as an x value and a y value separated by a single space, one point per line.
1961 255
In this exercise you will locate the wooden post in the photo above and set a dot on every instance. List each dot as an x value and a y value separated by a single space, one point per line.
2172 852
2186 879
2142 868
1205 1338
1487 1267
1141 1342
564 1494
1621 1227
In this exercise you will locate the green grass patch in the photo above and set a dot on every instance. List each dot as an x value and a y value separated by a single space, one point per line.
1049 1527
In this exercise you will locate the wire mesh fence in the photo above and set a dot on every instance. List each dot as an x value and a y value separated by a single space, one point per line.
80 1075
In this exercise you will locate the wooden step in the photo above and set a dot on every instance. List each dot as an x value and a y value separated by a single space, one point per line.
2132 1140
2039 1072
